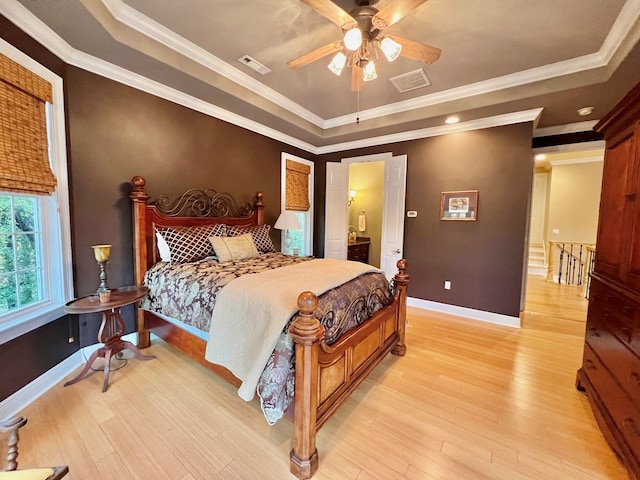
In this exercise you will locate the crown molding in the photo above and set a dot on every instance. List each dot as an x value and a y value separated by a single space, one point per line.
35 28
576 161
28 22
482 123
622 28
564 129
572 147
136 20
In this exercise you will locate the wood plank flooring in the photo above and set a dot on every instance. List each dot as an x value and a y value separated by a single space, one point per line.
469 401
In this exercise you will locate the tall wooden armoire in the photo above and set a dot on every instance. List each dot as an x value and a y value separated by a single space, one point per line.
610 372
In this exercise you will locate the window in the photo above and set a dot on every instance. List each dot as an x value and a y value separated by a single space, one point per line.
21 269
301 239
35 240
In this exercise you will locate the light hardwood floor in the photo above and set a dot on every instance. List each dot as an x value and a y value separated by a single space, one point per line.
469 401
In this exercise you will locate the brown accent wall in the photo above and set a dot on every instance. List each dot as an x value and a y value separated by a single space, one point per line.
117 132
484 260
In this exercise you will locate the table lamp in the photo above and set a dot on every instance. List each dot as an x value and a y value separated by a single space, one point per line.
287 221
102 252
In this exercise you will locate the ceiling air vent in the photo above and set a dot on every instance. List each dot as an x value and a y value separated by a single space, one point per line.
253 64
410 81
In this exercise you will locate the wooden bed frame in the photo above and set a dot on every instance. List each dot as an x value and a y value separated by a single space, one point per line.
325 375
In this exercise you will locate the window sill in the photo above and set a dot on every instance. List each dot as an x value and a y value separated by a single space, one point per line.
17 327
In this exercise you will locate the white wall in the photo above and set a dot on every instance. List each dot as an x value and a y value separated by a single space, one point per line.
574 201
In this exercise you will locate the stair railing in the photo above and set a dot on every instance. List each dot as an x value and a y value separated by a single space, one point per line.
571 263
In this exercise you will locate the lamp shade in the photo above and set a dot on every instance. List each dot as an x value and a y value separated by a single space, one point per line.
287 221
390 48
338 63
353 39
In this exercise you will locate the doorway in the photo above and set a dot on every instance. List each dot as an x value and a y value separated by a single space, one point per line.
393 203
564 208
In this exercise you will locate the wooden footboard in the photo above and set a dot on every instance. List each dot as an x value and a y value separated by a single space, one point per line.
326 375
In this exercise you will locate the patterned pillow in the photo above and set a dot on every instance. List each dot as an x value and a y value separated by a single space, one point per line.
190 244
234 248
260 234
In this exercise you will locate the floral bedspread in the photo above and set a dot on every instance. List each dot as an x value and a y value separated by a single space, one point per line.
188 292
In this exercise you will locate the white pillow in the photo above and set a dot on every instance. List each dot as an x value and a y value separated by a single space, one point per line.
234 248
163 248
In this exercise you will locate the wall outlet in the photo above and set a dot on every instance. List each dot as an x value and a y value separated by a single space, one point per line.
447 285
555 231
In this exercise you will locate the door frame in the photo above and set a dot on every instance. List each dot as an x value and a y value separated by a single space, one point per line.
384 156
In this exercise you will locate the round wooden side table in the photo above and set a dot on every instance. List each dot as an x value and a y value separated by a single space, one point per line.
111 329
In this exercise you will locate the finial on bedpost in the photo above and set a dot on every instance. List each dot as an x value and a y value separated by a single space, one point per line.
259 208
137 191
401 280
306 332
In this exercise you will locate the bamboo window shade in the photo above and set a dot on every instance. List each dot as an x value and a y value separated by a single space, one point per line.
297 186
24 156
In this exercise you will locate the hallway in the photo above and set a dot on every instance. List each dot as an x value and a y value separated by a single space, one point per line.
553 307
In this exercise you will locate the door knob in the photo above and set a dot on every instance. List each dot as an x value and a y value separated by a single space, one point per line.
397 251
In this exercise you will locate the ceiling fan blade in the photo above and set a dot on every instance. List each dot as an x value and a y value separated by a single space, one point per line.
316 54
331 11
396 10
417 51
357 81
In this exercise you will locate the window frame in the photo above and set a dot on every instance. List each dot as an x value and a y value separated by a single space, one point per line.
308 231
54 216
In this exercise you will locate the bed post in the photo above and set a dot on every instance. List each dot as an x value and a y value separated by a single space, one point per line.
401 280
259 207
306 332
139 202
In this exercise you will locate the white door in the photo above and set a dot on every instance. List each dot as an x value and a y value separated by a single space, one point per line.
335 224
391 249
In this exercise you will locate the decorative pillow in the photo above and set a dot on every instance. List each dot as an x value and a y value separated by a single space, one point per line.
260 234
234 248
190 244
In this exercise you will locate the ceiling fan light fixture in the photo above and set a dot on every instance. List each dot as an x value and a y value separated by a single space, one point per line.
369 72
390 48
353 39
337 63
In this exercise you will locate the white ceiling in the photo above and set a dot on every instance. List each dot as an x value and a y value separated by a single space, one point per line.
502 61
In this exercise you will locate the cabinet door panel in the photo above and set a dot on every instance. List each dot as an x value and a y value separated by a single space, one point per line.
633 204
612 202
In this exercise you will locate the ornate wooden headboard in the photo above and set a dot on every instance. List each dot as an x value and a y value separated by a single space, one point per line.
194 207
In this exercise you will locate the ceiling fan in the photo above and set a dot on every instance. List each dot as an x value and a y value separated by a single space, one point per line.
363 39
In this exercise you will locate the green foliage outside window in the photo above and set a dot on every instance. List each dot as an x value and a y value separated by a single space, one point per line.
297 236
20 253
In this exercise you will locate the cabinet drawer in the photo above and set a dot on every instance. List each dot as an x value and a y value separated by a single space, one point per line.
615 312
616 357
358 252
620 406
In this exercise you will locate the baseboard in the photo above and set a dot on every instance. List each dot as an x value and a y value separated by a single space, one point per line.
15 403
481 315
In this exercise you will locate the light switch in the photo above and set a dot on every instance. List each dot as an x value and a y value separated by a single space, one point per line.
412 214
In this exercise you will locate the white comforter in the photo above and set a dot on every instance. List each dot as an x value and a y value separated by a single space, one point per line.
252 310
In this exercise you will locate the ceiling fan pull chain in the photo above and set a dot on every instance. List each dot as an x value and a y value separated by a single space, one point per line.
358 107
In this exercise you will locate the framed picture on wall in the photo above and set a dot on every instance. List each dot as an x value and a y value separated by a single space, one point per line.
459 205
